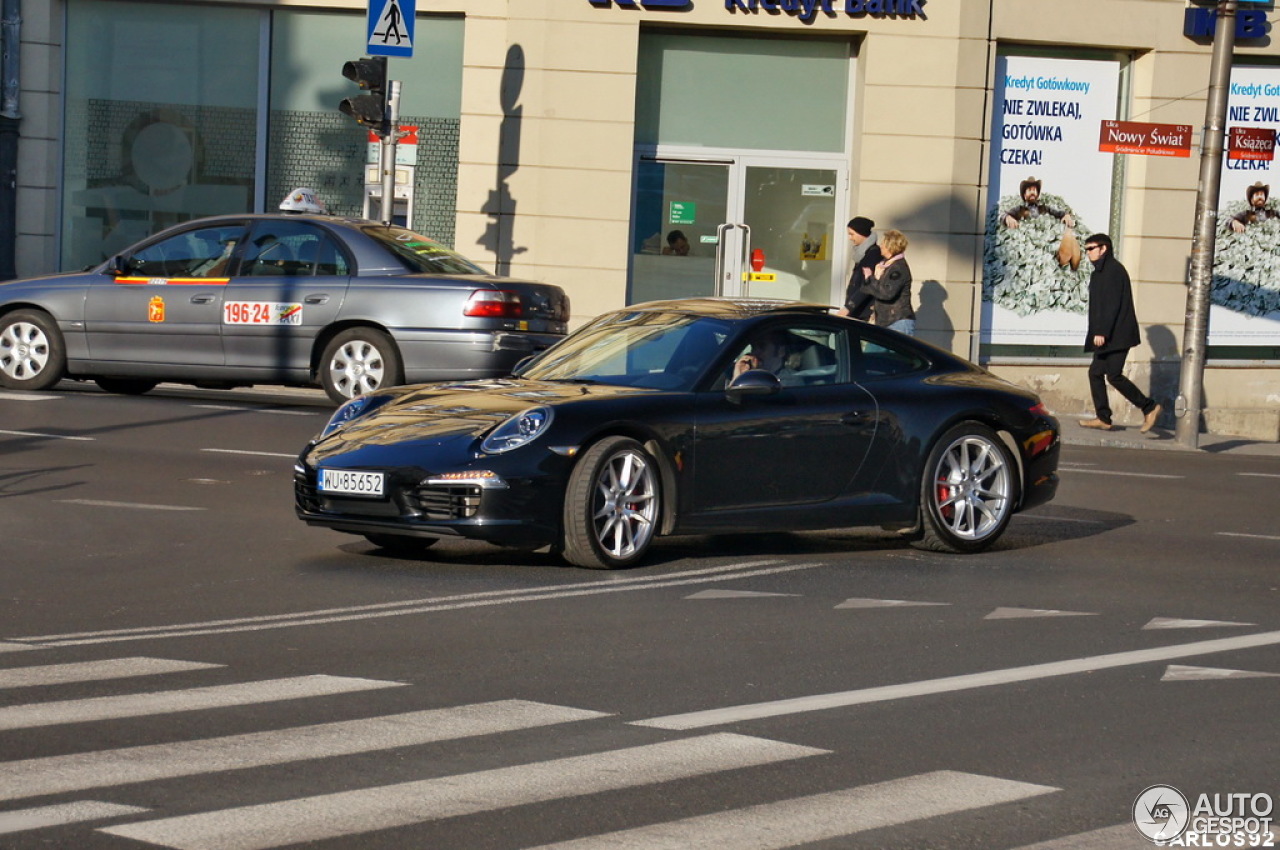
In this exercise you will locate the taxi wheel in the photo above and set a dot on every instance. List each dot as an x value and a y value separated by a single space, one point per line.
32 353
125 386
612 505
359 361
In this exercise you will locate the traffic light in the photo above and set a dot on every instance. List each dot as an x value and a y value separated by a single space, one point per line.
369 109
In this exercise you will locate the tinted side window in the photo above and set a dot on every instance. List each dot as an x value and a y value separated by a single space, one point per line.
291 248
203 252
885 360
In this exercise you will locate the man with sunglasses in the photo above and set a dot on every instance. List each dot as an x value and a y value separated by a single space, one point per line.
1113 330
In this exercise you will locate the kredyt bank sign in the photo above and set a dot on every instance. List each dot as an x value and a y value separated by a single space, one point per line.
804 10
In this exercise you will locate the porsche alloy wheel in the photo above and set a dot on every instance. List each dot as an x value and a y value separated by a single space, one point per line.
32 355
612 505
968 491
359 361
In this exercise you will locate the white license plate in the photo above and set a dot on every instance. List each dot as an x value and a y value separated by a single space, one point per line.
351 483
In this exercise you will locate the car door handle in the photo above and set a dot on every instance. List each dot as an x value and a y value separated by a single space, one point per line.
203 298
317 299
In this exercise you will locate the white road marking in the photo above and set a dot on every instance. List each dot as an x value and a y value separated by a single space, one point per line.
46 436
1185 673
82 771
330 816
191 699
256 410
17 396
1253 536
733 594
790 823
16 647
94 671
1259 474
103 503
886 603
948 684
1122 836
1174 623
1060 519
1026 613
1125 474
46 816
293 456
422 606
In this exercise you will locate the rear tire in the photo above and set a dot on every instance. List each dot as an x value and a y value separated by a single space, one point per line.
967 492
612 505
33 355
125 386
359 361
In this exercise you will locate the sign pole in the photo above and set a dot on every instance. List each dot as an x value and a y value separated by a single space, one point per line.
1195 329
389 139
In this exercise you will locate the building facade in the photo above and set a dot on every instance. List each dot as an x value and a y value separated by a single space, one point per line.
580 141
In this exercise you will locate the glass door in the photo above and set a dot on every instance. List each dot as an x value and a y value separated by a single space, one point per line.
755 226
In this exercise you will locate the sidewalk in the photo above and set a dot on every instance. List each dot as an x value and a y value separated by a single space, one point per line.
1128 437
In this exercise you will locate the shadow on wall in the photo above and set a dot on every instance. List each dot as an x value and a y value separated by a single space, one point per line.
500 207
932 315
1166 369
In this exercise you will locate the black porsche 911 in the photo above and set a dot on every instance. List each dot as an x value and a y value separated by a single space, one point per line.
691 416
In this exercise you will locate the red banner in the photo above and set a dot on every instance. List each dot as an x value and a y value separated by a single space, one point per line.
1252 143
1149 139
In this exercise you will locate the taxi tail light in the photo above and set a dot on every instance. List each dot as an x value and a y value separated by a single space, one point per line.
494 304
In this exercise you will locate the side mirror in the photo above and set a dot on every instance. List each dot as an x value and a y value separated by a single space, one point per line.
753 382
118 266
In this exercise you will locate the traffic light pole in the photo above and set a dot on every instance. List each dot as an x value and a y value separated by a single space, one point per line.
1195 329
390 136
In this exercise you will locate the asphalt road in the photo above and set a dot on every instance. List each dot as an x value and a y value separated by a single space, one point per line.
185 664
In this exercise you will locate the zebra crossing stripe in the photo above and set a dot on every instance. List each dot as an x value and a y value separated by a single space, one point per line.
788 823
192 699
94 671
329 816
46 816
82 771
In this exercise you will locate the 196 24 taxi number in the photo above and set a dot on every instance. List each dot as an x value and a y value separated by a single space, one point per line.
261 313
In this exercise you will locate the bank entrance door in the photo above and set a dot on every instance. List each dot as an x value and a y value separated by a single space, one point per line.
750 225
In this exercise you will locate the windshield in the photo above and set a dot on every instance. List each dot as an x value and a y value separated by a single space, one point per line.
421 254
639 349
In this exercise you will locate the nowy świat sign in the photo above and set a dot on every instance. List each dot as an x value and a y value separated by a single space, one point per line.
804 10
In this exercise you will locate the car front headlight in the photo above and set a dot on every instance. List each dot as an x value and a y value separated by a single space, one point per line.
523 428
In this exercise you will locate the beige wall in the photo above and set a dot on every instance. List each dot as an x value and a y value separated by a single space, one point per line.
918 161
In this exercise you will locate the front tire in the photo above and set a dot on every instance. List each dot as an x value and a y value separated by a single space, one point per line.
359 361
612 505
967 492
33 355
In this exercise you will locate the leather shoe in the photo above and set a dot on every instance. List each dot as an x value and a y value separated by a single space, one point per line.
1149 421
1097 424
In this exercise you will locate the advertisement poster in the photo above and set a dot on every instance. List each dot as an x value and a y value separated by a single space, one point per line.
1050 189
1245 302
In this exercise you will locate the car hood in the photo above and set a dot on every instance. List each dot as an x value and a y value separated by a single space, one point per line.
432 414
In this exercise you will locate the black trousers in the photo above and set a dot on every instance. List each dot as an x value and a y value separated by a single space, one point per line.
1109 366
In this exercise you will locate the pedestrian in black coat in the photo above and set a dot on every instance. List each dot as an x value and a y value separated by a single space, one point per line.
1113 330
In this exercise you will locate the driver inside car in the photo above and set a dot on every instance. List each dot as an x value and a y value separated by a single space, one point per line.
771 351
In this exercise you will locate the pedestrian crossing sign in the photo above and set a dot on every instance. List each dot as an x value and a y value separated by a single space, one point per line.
390 27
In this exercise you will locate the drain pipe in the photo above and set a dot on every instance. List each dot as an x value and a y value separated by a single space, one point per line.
10 27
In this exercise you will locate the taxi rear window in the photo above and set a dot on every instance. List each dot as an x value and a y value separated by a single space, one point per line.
421 254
